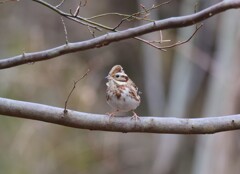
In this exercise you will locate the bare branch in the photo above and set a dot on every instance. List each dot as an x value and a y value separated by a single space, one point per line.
77 19
134 15
65 31
174 22
92 32
74 16
185 41
74 86
86 21
137 14
150 43
163 48
161 39
76 13
118 124
117 14
60 4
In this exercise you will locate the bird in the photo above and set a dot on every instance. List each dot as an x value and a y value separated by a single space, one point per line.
122 94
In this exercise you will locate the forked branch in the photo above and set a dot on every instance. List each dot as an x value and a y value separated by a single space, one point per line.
174 22
163 48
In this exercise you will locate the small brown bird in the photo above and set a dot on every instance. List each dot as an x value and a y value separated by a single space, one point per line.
122 93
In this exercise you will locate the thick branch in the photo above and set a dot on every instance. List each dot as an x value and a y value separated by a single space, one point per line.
118 124
174 22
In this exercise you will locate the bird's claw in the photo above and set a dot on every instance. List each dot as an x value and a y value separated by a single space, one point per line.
111 114
135 117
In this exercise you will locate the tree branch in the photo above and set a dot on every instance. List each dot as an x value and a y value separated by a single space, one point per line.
118 124
173 22
73 17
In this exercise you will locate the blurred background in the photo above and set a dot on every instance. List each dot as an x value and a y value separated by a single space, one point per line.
198 79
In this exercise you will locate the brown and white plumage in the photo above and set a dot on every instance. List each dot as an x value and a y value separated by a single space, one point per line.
122 93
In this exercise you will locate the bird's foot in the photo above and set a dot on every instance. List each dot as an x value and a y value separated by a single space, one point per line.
135 116
111 114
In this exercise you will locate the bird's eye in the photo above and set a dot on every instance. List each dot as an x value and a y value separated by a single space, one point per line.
117 76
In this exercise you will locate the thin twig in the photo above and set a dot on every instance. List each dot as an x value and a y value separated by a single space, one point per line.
129 18
74 86
65 31
195 7
161 39
164 48
144 8
134 15
60 4
149 43
77 19
92 32
185 41
76 13
118 14
84 4
144 12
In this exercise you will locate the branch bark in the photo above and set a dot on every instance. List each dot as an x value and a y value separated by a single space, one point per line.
90 121
173 22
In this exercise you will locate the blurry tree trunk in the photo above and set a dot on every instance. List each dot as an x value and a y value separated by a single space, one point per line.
153 69
153 63
178 99
214 154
